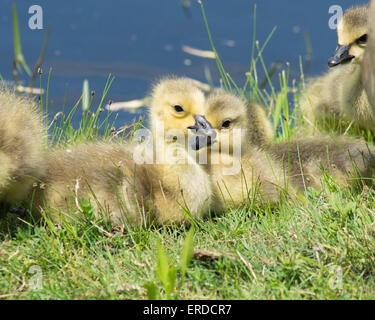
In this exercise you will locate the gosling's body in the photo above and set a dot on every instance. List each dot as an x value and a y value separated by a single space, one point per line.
239 168
305 161
22 146
127 190
187 180
258 178
104 173
339 95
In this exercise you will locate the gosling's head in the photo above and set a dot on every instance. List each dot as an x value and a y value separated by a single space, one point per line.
178 106
352 37
228 115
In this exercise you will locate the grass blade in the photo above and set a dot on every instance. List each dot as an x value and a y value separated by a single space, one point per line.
18 56
187 251
85 95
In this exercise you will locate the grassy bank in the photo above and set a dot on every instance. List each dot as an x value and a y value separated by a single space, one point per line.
320 249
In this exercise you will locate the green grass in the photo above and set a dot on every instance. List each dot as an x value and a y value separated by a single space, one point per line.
319 247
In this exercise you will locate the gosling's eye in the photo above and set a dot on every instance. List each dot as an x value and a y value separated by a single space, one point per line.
178 108
362 40
226 124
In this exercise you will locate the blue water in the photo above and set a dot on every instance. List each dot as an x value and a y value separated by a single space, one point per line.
139 41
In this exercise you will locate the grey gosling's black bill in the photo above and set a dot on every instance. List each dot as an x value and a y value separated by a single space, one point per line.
205 134
341 55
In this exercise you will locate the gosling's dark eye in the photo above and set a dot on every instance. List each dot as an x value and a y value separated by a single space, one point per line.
178 108
226 124
362 40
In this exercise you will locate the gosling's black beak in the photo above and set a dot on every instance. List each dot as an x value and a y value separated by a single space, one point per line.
205 134
341 55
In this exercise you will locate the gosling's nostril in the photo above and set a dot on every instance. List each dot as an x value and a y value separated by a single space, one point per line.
331 63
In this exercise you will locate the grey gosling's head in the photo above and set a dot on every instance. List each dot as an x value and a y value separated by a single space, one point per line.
238 122
352 37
